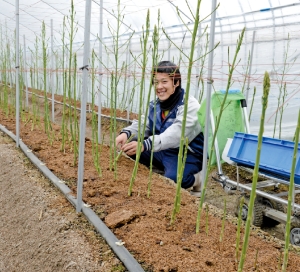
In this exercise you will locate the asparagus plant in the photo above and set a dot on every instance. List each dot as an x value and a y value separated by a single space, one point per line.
266 90
206 219
47 123
115 78
121 152
144 43
252 103
238 229
282 90
95 145
223 221
180 165
36 55
255 261
202 65
290 197
282 108
231 70
72 29
63 127
246 72
155 39
75 118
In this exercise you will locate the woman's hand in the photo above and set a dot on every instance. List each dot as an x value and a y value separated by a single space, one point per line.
131 148
121 140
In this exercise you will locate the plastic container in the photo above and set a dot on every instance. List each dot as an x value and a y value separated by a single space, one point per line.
276 155
225 158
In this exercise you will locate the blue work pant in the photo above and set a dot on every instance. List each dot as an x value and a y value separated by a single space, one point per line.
167 160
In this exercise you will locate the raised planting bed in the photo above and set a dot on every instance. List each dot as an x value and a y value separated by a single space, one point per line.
145 226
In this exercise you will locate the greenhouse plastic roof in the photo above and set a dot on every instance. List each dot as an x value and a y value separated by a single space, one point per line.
231 14
271 38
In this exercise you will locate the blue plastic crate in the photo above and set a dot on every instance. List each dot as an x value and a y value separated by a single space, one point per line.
276 155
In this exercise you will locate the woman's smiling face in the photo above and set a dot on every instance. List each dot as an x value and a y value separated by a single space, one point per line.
164 86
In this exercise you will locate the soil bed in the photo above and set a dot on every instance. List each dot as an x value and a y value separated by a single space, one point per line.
146 228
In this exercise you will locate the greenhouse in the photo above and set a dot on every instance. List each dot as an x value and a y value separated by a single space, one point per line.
78 76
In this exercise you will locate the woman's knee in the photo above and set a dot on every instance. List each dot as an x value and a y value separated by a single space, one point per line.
187 180
171 175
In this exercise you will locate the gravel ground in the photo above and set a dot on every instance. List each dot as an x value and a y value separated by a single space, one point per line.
37 231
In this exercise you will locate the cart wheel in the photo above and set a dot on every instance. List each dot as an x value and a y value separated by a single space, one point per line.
295 236
257 216
269 222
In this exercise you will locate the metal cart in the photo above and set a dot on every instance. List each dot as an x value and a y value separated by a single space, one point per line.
269 207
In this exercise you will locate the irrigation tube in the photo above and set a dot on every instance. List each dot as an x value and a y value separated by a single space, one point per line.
123 254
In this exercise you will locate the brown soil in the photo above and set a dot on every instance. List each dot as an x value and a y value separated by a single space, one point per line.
147 232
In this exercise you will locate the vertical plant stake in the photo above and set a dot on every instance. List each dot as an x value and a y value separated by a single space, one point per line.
255 172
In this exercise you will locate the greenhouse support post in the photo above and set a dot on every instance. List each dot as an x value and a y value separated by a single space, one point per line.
52 71
208 93
17 77
100 69
250 66
85 71
25 73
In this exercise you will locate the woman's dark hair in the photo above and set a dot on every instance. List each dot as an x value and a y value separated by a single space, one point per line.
169 68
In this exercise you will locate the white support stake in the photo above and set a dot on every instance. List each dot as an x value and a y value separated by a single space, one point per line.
17 77
208 93
85 72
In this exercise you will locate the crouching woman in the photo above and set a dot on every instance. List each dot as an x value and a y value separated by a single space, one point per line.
167 119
